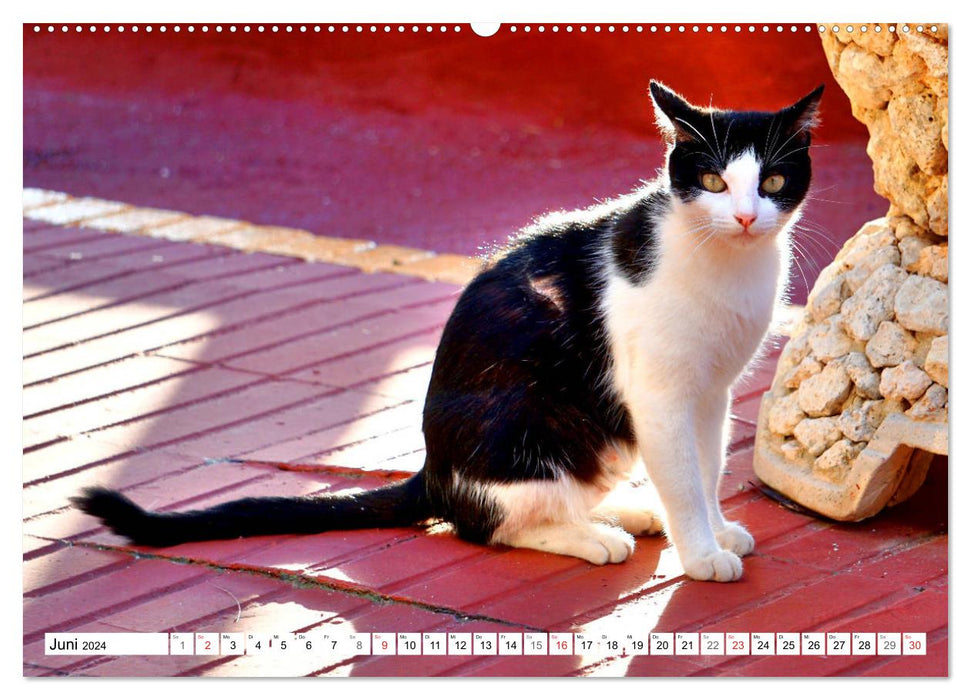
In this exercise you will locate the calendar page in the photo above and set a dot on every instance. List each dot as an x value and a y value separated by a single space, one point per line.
243 245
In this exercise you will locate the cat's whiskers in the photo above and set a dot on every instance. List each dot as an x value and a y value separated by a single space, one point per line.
819 238
824 246
714 134
701 244
813 195
728 131
794 134
795 261
772 134
702 137
701 223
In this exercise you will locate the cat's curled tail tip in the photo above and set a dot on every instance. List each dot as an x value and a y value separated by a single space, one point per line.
103 503
111 508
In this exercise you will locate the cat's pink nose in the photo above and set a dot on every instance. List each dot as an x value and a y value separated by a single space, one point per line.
745 220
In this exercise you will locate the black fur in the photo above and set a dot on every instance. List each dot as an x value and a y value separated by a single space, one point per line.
520 388
398 504
706 140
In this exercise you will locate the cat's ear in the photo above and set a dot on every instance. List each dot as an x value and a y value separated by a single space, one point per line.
672 113
803 116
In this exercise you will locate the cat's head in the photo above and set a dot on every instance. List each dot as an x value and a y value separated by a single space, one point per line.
743 173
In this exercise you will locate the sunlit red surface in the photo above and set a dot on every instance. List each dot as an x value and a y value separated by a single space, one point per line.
151 363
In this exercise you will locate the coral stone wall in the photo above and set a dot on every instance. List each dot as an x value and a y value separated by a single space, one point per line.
873 340
897 82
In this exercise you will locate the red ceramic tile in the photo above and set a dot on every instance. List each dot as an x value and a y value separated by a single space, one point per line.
325 304
696 604
67 566
52 494
231 266
31 226
38 264
337 333
309 555
584 592
738 475
477 582
96 298
804 572
157 398
252 404
375 419
95 598
82 245
763 517
379 451
50 240
300 409
218 602
81 274
256 345
66 457
266 272
406 562
378 360
798 609
100 381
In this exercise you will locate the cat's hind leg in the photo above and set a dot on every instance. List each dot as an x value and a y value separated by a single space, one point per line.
556 515
629 508
597 543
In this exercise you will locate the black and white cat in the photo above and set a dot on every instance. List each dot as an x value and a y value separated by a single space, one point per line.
597 342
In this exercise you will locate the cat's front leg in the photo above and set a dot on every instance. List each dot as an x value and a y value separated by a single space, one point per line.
714 433
669 446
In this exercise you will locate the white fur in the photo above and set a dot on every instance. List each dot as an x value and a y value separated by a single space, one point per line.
741 199
678 343
682 339
566 516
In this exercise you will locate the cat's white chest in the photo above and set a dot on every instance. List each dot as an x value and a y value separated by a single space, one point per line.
691 328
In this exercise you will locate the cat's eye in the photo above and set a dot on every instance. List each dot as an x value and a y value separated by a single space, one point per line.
773 183
713 182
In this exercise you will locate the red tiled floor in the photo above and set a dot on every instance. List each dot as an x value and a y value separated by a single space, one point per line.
323 368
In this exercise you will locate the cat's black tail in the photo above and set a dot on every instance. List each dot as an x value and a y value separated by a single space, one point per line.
399 504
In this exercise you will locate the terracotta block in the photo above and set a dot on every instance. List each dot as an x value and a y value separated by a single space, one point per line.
195 228
34 197
72 211
457 269
288 241
383 258
136 220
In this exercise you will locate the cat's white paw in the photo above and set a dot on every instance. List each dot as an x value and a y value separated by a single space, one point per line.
642 522
735 538
606 545
597 543
718 566
636 521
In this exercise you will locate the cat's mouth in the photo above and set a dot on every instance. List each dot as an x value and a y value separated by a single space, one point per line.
746 237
